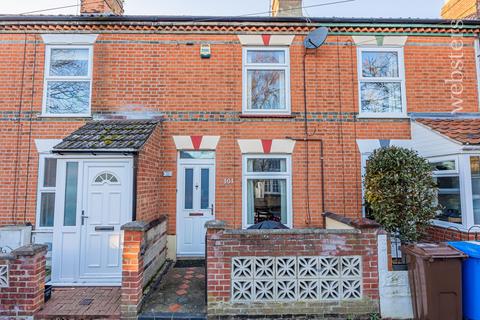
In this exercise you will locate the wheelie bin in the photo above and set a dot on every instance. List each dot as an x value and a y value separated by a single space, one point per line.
435 276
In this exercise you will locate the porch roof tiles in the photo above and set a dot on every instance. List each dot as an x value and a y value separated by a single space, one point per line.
465 131
108 136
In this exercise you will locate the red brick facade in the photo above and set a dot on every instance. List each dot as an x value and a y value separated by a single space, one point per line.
162 73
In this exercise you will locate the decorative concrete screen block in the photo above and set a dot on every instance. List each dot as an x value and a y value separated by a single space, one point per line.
267 279
3 276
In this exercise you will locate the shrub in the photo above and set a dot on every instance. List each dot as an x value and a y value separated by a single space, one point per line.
400 191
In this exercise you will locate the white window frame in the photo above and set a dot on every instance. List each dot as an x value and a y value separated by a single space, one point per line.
266 66
47 78
400 79
287 175
460 171
41 189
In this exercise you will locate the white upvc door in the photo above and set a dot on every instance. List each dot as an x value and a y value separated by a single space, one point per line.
94 201
106 207
195 204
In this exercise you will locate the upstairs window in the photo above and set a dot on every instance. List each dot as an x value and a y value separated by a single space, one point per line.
68 81
266 81
381 82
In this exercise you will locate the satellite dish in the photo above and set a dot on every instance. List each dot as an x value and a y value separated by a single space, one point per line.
316 38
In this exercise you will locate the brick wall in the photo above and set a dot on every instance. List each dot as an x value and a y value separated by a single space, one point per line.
440 234
159 73
459 9
149 177
225 245
102 7
144 254
22 281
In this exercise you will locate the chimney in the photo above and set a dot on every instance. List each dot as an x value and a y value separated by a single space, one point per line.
460 9
102 7
287 8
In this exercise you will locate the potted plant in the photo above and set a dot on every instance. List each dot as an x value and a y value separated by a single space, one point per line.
400 192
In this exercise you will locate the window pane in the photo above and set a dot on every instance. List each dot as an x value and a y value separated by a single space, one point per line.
380 64
381 97
266 89
70 210
443 165
475 167
197 154
69 62
47 209
448 182
188 188
267 165
449 199
50 172
205 191
264 205
259 56
68 97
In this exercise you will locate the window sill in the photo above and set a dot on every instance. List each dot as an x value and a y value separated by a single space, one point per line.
46 116
264 116
382 116
449 225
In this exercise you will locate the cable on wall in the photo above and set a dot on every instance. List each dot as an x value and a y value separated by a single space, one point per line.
19 131
340 124
30 128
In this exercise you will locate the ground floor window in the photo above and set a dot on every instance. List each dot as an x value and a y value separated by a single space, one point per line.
46 191
449 196
267 189
475 179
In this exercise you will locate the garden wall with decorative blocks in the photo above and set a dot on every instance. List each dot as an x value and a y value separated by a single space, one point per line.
22 281
292 272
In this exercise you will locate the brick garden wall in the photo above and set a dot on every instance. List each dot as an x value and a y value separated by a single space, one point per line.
144 254
22 281
160 74
224 246
440 234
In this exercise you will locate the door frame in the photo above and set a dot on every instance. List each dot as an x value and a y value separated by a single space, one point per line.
179 185
57 230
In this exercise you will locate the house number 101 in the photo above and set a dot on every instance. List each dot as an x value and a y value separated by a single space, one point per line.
228 181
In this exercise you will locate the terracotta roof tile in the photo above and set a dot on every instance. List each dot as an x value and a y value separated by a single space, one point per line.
465 131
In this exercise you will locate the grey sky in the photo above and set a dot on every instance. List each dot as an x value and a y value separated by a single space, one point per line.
357 8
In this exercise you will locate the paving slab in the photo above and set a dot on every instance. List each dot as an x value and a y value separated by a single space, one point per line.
179 295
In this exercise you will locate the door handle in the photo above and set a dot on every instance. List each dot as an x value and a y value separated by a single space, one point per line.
83 217
212 210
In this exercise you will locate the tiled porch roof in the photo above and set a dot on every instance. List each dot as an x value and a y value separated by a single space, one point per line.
465 131
108 136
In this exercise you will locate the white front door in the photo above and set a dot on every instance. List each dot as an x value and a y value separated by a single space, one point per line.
95 200
195 201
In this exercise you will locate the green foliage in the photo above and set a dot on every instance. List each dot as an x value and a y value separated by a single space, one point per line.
400 191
